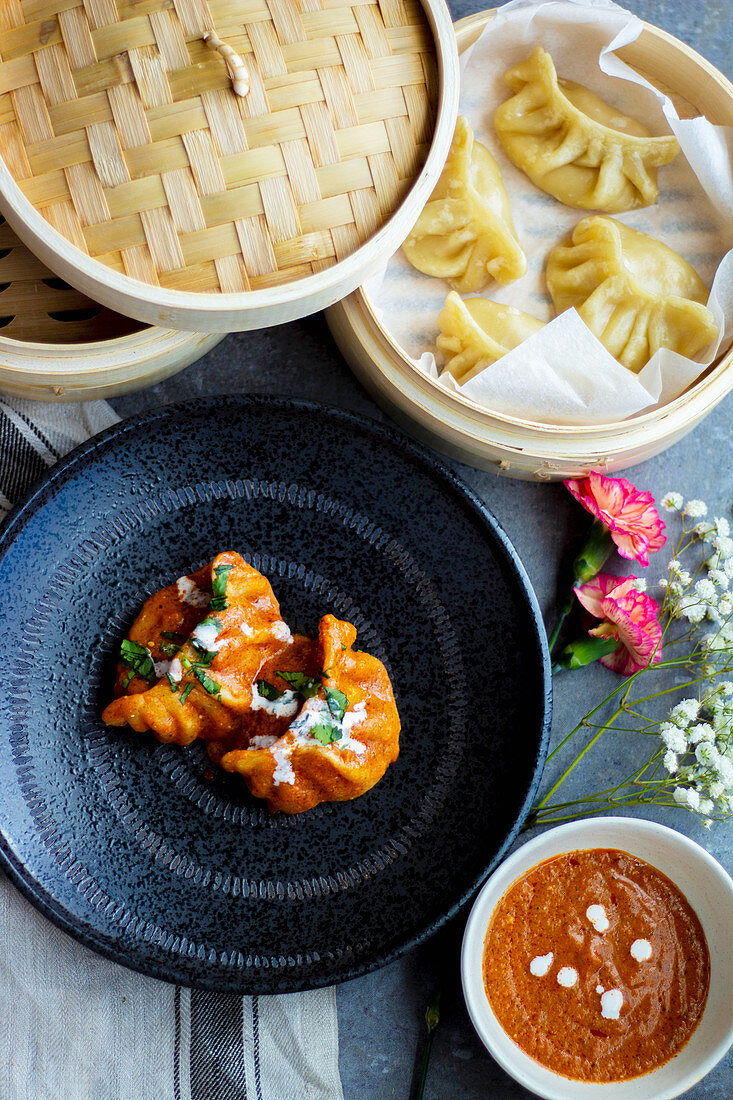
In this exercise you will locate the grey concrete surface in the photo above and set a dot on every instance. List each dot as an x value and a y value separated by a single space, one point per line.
381 1015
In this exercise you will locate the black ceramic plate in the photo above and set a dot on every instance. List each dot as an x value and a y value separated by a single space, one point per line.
130 845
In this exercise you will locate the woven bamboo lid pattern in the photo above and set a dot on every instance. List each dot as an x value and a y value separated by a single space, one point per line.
122 129
37 306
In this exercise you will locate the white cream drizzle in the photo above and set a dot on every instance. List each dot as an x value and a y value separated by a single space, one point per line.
598 917
281 631
641 950
284 707
611 1002
600 989
567 976
176 670
283 768
262 741
161 668
540 964
298 733
205 635
189 592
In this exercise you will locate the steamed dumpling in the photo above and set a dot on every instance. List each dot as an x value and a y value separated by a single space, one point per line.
465 233
477 332
575 146
634 293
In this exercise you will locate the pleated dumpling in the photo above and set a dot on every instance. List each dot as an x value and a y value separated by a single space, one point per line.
465 233
575 146
634 293
477 332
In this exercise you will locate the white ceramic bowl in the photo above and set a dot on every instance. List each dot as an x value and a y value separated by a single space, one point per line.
707 887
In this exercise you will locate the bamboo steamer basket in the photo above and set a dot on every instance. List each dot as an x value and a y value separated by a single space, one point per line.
463 429
58 345
222 189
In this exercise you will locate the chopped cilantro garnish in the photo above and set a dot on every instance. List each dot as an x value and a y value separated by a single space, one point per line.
326 734
169 649
268 690
171 636
172 682
205 657
337 702
138 658
186 692
210 620
219 599
126 682
206 682
307 686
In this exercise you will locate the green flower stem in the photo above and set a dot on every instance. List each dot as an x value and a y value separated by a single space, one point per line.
578 758
565 610
432 1019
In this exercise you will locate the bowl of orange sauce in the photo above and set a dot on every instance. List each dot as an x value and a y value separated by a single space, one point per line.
598 961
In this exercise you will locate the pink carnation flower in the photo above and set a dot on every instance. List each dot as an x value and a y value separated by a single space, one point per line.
628 615
628 513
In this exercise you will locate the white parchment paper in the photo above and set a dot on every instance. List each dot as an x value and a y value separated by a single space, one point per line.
563 374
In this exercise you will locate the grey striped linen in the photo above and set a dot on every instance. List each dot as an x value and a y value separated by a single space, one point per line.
75 1026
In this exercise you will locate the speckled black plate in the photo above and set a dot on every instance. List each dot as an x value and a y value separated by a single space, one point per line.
126 843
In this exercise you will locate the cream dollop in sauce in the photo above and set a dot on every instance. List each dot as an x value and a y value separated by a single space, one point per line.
541 964
190 593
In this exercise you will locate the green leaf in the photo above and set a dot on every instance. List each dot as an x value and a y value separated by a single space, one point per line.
171 636
169 649
268 691
326 734
206 682
307 686
219 586
186 692
126 682
138 658
172 683
338 703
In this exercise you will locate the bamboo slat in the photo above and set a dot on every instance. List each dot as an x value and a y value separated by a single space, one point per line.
122 128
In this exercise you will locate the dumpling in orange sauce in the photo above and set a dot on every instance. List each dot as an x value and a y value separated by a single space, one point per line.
341 741
208 687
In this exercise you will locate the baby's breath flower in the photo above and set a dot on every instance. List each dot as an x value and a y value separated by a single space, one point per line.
722 526
672 502
671 762
685 712
695 509
719 578
705 589
703 529
674 565
706 754
673 737
703 731
706 807
690 608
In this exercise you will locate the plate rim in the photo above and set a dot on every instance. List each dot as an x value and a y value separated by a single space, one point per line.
50 908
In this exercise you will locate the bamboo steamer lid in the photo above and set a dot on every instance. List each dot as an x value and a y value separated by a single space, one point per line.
133 168
58 345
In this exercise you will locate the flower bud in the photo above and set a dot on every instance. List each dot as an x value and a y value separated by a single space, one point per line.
594 554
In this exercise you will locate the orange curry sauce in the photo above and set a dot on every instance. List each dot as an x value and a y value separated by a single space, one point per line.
596 965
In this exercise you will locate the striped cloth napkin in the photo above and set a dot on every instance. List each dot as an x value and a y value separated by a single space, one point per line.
75 1026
